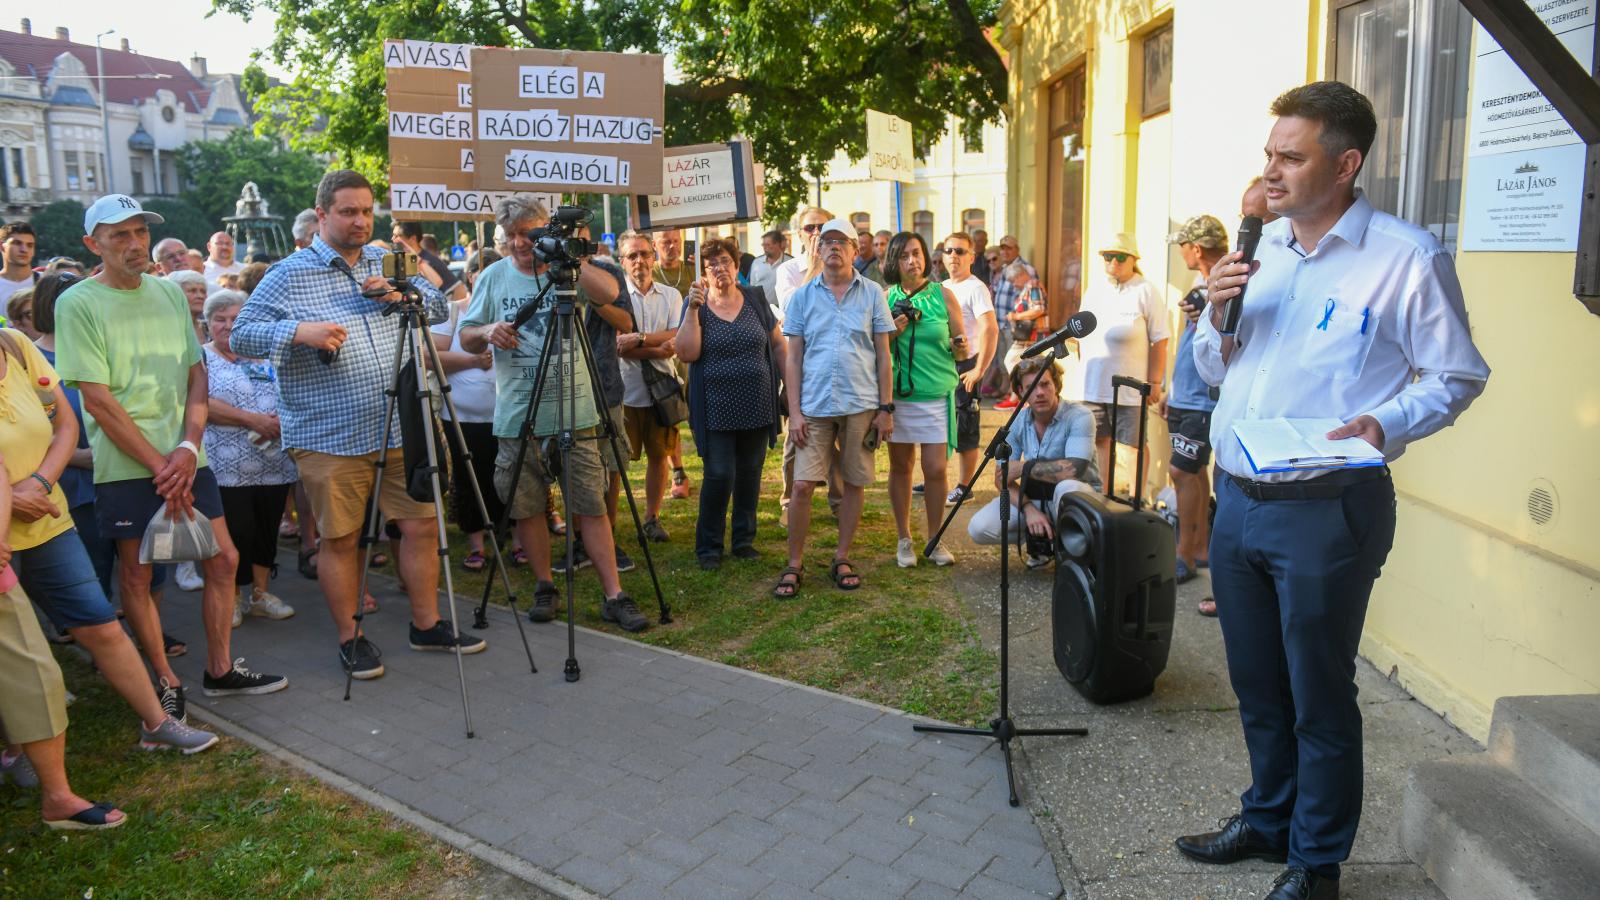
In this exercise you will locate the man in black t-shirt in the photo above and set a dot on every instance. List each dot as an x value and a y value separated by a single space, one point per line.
408 236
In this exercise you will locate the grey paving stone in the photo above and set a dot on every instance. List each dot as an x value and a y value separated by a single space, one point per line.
879 841
642 867
944 863
1040 880
860 879
800 861
814 818
673 850
593 874
717 878
758 797
737 839
985 888
927 890
826 784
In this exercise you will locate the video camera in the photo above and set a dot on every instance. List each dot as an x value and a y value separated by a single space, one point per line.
557 245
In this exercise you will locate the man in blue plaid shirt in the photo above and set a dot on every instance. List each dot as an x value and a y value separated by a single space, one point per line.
318 316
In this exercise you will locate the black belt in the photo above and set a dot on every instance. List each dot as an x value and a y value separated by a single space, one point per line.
1322 487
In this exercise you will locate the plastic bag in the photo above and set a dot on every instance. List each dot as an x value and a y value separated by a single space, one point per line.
178 539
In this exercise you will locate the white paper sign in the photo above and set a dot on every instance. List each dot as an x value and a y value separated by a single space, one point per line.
436 198
889 153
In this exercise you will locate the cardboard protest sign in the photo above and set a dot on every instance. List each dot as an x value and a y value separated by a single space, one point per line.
889 154
430 133
567 120
705 184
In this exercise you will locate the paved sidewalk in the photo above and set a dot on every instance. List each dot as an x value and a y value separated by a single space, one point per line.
655 775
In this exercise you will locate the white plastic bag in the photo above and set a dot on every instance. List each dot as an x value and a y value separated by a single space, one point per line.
177 539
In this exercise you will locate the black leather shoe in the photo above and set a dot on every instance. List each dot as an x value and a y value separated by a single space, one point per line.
1297 884
1234 842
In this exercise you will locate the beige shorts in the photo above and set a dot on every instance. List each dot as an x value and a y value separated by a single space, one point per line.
340 487
33 706
645 436
811 462
587 478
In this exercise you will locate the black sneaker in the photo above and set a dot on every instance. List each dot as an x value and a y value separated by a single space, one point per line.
580 560
171 697
544 603
919 489
654 531
239 680
746 553
442 637
361 658
623 611
624 561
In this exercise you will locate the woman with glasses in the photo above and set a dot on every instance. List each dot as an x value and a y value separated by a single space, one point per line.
735 350
19 313
1130 339
931 337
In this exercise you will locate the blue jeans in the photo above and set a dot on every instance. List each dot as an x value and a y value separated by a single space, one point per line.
102 551
58 576
733 461
1292 579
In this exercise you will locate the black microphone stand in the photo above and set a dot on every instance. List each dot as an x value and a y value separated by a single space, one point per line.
1003 729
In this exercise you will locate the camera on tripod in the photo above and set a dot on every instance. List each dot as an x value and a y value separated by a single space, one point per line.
904 307
557 245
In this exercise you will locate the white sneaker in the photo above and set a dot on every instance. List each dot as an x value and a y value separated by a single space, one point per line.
942 557
188 579
269 605
905 554
954 496
241 604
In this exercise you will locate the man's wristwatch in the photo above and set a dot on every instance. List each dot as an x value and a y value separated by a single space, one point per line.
886 408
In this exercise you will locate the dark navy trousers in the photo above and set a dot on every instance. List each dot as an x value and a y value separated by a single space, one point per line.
1292 579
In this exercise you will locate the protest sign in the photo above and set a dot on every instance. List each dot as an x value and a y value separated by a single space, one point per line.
430 132
567 120
889 153
704 184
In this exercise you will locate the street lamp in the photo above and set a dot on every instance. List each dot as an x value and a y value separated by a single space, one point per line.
105 126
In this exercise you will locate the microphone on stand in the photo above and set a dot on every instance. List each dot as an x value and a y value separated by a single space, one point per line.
1078 326
1249 239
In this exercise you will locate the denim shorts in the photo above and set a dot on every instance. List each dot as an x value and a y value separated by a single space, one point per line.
59 577
124 508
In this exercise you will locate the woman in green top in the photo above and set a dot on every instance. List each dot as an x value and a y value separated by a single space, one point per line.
930 340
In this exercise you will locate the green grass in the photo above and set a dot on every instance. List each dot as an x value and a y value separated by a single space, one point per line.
226 822
903 640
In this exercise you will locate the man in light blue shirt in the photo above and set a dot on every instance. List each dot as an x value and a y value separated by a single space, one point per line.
838 326
1355 315
319 317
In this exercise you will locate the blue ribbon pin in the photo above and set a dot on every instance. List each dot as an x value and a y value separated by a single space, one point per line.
1327 316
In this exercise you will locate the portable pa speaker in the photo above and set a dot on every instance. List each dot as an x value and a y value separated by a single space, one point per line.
1114 599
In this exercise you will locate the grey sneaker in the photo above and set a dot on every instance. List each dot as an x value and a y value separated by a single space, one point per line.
622 610
268 605
654 531
19 772
174 735
544 603
171 697
241 605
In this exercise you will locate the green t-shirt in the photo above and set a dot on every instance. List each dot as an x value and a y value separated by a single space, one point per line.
501 290
141 345
924 368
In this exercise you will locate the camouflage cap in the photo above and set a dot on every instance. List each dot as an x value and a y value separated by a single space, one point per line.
1205 231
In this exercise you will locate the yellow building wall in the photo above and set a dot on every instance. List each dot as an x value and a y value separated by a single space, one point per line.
1476 601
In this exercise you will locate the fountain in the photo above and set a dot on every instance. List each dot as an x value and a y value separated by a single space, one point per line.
254 228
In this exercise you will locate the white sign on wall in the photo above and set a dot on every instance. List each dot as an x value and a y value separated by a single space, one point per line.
1525 164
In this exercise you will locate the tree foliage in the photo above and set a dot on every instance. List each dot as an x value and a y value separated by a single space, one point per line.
58 231
794 76
216 170
183 221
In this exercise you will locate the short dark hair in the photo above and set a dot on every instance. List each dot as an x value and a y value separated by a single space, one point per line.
1346 116
10 228
775 235
430 243
409 230
1022 373
336 181
897 246
718 247
45 293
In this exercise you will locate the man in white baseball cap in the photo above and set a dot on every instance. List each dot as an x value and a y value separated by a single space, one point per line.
125 339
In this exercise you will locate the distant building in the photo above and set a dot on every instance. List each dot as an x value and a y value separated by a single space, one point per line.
53 145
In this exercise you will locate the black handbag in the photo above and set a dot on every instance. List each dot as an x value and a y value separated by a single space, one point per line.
666 395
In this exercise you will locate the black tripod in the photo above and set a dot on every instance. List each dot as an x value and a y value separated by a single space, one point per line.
424 357
565 339
1002 728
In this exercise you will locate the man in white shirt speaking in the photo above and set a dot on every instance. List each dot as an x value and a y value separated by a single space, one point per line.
1351 314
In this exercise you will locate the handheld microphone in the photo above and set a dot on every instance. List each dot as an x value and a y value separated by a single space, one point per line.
1249 239
1080 325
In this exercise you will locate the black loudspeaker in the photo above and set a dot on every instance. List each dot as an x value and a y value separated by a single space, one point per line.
1115 594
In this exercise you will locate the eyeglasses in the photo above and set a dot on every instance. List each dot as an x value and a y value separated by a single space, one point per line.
812 228
1118 258
637 254
835 242
24 316
956 251
719 262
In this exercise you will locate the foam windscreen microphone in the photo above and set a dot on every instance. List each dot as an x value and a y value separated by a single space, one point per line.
1249 239
1080 325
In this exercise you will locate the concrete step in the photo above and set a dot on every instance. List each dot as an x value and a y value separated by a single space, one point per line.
1553 743
1481 833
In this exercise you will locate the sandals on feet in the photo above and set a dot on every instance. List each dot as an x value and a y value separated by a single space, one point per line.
95 818
843 580
369 604
172 646
519 558
308 563
1207 608
474 561
378 560
552 521
787 589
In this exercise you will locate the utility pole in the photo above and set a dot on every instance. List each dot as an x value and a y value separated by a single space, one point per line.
105 125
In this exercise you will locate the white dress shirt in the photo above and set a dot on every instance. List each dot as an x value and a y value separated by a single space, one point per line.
764 275
1371 322
658 309
791 275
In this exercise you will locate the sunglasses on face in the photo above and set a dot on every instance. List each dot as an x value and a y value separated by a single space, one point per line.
638 254
1118 258
956 251
812 229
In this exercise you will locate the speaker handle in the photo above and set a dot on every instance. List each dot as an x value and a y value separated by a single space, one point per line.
1143 387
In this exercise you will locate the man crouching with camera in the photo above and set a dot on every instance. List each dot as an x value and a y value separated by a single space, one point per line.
319 316
1052 445
501 292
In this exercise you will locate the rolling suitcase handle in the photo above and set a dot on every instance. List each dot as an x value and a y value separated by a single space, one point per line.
1143 387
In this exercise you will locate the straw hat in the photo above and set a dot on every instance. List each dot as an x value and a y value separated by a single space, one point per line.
1123 243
